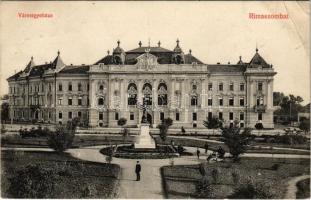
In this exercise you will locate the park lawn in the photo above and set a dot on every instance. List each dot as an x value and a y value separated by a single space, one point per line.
180 181
303 187
79 140
190 142
75 178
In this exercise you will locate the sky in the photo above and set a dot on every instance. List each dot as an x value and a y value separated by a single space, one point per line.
214 31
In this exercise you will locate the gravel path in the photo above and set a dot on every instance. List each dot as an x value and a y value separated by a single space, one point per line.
292 188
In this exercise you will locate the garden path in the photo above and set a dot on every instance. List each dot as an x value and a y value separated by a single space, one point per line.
292 188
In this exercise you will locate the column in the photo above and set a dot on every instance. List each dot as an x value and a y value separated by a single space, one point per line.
139 99
203 93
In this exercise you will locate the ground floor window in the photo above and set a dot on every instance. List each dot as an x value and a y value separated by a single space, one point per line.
177 116
161 116
194 125
79 114
101 124
194 116
132 116
259 116
210 116
100 116
242 125
220 116
69 115
116 116
231 125
60 115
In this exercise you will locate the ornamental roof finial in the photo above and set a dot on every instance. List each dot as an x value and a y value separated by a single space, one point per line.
139 43
58 52
159 43
177 41
118 43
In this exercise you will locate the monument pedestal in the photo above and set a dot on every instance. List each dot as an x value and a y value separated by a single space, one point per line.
145 140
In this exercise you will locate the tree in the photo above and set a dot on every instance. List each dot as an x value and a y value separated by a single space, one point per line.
235 140
212 123
62 138
4 111
164 126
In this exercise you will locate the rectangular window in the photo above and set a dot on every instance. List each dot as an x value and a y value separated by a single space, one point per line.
231 125
80 101
231 101
231 116
100 116
60 87
101 124
79 87
60 115
177 117
79 114
220 116
259 116
260 86
70 101
221 87
210 115
116 116
241 125
194 116
210 86
69 115
88 87
221 102
194 125
69 87
49 115
231 86
241 116
161 116
131 116
242 87
241 101
210 102
59 101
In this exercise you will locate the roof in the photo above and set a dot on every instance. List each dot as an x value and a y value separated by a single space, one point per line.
258 60
15 76
150 49
226 68
75 69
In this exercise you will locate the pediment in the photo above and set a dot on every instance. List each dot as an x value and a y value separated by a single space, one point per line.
146 61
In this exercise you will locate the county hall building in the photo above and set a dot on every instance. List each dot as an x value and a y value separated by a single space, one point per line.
167 83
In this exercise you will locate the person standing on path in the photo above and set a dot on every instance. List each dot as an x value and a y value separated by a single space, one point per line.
137 171
198 153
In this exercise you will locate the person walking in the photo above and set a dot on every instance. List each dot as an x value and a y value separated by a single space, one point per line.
198 153
206 147
137 171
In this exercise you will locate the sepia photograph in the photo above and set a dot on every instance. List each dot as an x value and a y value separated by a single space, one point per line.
155 99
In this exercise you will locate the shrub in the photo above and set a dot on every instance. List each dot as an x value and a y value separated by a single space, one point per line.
61 139
259 126
183 130
252 190
215 175
236 177
164 126
32 181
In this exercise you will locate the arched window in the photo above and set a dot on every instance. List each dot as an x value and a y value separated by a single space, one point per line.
162 94
132 94
79 87
194 100
147 91
101 87
100 101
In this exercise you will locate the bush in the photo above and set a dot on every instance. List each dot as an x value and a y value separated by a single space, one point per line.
259 126
33 182
291 139
61 139
252 190
215 175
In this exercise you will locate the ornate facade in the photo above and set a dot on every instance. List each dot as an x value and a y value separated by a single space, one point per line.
168 83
